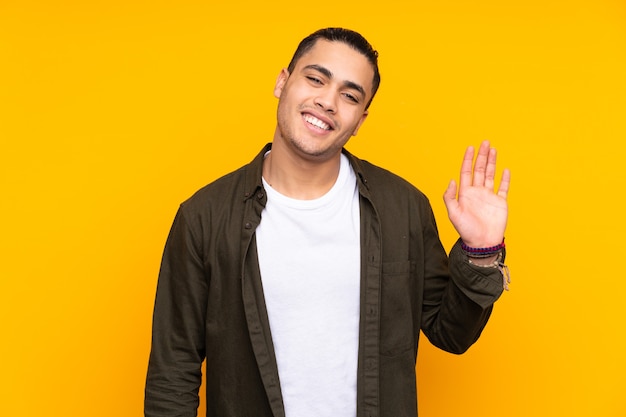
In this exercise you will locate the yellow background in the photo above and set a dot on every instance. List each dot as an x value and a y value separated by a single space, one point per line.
113 112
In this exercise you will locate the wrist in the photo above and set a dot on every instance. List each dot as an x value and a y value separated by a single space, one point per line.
496 262
488 252
487 261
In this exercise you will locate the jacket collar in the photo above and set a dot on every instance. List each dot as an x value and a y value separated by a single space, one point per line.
254 174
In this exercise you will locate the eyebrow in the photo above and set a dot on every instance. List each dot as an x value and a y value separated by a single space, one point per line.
326 72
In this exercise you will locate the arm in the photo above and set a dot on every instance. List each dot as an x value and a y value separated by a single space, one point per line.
458 296
457 309
174 369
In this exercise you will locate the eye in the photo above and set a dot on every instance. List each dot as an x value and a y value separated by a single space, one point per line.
313 79
351 97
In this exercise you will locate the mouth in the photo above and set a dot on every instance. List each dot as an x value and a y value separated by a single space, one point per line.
312 120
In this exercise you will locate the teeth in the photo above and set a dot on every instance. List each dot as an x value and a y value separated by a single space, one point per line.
316 122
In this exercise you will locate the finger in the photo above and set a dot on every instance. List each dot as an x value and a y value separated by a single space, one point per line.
450 193
503 189
466 168
449 196
480 166
490 172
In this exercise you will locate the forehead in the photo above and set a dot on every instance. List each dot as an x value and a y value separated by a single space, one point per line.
344 62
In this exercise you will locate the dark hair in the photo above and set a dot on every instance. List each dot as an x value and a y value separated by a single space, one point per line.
351 38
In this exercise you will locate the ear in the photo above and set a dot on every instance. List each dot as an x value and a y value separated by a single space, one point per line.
280 82
358 126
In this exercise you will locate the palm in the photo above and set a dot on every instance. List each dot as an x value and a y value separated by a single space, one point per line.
479 214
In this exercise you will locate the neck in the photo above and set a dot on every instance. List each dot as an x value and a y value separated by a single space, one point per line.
299 178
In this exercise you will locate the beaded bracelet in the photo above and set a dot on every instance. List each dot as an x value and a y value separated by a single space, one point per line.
482 252
500 266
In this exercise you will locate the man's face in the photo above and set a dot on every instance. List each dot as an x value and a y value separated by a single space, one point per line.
323 101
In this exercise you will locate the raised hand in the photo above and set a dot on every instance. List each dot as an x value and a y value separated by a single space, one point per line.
479 213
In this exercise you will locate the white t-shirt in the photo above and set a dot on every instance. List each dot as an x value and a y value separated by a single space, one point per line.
309 256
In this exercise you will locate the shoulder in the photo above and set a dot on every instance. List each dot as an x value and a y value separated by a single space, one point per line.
230 190
219 193
397 203
384 183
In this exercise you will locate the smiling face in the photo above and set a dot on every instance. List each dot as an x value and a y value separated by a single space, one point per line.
323 101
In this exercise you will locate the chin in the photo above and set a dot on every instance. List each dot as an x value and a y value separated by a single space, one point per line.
311 149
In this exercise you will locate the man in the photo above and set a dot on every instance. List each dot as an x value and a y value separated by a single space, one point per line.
304 277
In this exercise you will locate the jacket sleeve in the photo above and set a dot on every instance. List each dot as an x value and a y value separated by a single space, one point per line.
458 296
178 328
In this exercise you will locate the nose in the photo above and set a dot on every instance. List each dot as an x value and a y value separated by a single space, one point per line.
325 100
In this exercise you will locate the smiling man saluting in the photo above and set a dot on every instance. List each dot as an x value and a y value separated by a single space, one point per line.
304 278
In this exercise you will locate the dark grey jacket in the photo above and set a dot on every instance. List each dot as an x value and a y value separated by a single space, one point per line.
209 301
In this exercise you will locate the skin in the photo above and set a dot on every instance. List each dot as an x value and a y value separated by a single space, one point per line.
332 84
478 213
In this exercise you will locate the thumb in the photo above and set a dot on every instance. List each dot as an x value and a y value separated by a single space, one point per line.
449 196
